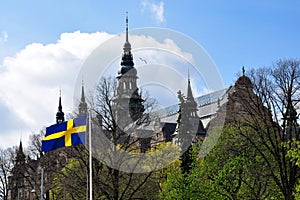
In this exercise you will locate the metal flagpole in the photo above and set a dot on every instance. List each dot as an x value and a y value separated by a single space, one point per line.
90 155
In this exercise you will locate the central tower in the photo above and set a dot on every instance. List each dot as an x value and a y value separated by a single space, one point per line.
127 98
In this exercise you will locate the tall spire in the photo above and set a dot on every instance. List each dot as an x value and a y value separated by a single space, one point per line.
21 147
190 96
127 45
82 92
127 58
190 103
82 105
60 115
127 27
20 157
59 103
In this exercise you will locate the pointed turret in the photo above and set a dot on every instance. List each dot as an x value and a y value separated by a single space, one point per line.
127 58
189 123
189 96
191 105
60 115
82 108
20 157
21 147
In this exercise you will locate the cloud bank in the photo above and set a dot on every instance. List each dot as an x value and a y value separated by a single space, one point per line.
30 82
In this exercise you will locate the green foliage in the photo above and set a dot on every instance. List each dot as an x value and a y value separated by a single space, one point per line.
232 170
297 190
70 182
294 155
180 185
240 172
294 152
172 188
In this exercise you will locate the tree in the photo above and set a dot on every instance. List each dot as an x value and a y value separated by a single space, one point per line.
112 147
35 144
6 165
178 183
251 159
232 170
70 182
236 170
294 155
272 116
118 179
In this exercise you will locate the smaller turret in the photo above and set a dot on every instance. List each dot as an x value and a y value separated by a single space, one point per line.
20 157
60 115
82 108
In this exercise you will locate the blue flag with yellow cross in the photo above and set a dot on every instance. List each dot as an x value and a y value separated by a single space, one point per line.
65 134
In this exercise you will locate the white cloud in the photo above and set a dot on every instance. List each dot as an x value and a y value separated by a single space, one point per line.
30 81
160 63
157 10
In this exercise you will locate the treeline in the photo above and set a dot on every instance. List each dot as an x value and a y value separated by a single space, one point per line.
256 156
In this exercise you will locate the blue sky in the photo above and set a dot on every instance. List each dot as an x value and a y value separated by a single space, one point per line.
233 32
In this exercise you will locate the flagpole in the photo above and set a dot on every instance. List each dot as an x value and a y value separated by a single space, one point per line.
90 155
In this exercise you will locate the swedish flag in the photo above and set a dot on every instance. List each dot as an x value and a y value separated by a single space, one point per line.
65 134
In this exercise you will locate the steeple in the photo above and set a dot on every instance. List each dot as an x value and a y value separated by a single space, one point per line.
127 58
82 92
188 105
127 28
189 124
127 45
127 96
20 157
60 115
21 147
82 105
189 97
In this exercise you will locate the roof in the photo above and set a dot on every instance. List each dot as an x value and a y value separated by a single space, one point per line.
203 101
